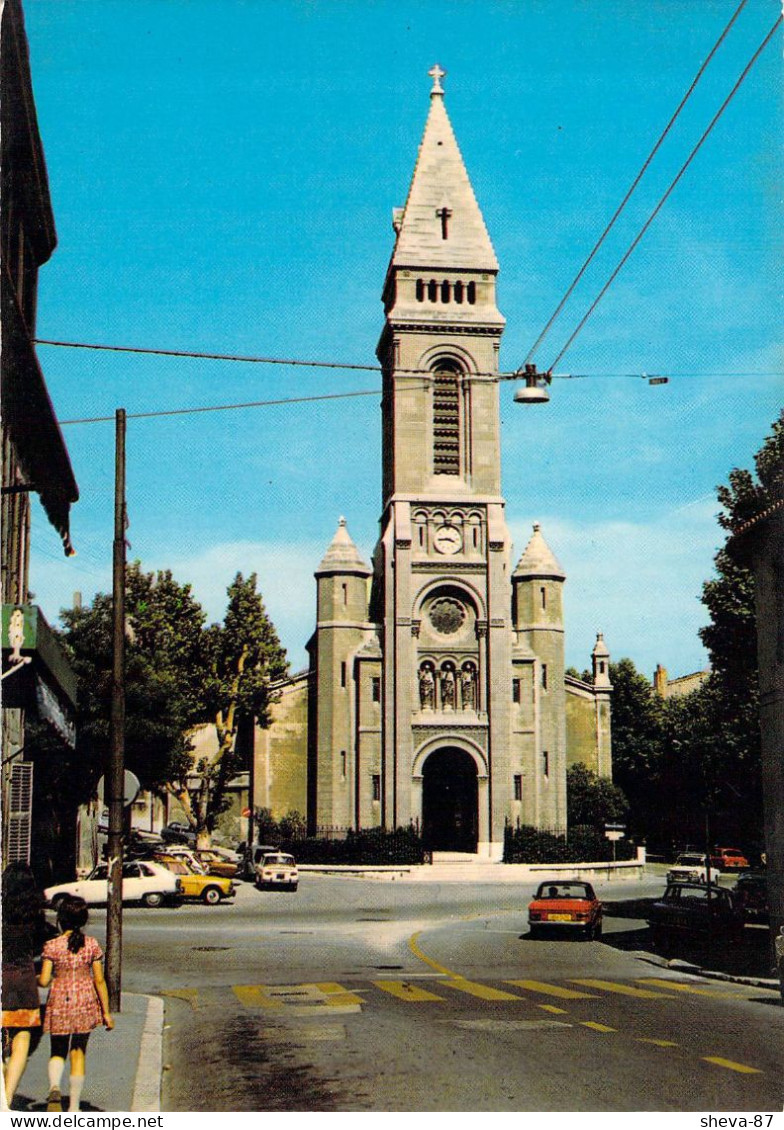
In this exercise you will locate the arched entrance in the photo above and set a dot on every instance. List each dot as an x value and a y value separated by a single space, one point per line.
449 801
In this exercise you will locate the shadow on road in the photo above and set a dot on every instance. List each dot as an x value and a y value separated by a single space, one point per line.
751 956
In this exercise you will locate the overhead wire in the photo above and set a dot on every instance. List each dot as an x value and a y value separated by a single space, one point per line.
667 194
634 184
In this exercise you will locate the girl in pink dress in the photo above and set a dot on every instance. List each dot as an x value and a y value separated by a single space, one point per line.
78 999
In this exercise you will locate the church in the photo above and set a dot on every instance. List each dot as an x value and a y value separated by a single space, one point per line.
436 693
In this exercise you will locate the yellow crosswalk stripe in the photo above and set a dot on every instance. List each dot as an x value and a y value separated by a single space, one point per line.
657 1043
405 991
615 987
552 1008
597 1027
681 987
189 995
255 996
743 1068
335 995
484 992
553 990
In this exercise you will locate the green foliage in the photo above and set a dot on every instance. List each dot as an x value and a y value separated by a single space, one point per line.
637 744
583 845
179 674
592 800
370 846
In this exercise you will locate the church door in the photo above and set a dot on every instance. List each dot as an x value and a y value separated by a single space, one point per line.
449 801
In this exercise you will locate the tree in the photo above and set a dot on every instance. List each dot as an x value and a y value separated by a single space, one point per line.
637 745
161 659
591 800
245 657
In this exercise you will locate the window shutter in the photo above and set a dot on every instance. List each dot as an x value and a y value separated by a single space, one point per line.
20 811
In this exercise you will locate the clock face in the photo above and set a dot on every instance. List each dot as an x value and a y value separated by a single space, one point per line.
448 539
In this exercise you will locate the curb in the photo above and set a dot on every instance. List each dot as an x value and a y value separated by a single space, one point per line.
690 970
149 1068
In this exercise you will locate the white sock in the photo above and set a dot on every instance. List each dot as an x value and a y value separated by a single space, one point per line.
55 1070
75 1093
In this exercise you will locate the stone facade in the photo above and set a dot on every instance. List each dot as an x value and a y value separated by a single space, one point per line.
436 693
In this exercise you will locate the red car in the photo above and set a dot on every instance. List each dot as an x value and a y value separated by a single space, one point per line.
729 859
567 905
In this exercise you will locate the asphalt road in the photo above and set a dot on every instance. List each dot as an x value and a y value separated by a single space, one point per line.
357 995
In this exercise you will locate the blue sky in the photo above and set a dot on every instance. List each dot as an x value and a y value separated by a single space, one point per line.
222 177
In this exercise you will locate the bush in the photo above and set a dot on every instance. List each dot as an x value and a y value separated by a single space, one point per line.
583 845
370 846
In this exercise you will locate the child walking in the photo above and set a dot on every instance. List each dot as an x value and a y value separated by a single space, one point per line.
78 999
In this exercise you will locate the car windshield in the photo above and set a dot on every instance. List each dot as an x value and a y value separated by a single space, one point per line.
689 860
564 891
278 860
100 872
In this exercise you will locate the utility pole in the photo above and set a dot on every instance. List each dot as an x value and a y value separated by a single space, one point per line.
115 770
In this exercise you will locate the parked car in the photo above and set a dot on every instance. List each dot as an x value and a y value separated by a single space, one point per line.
688 868
276 870
253 855
751 895
691 909
142 881
729 859
218 863
181 851
565 905
211 889
177 833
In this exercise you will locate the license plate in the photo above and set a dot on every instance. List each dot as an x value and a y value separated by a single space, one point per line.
559 918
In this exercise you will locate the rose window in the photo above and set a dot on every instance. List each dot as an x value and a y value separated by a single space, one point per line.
447 615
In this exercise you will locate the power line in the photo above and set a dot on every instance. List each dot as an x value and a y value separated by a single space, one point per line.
225 407
634 184
666 195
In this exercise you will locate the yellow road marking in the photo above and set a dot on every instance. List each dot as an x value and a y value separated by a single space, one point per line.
658 1043
255 996
484 992
613 987
412 945
681 987
732 1066
336 995
552 1008
553 990
405 991
597 1027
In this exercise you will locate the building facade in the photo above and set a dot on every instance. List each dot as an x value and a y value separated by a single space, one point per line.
436 693
38 684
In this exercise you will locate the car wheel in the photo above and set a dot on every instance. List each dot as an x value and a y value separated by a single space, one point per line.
294 886
534 932
597 931
211 895
153 898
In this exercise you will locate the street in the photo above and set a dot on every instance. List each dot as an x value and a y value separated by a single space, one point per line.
355 994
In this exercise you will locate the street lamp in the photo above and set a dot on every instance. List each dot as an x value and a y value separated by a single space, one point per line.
534 391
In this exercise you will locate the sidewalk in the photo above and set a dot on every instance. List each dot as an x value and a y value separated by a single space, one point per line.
123 1066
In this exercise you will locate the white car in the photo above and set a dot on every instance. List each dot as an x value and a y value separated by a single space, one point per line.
277 870
688 868
142 881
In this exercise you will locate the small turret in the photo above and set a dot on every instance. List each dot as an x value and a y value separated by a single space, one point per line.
537 586
601 664
342 580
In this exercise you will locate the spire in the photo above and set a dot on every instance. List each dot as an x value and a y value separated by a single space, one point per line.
342 555
441 224
538 560
601 664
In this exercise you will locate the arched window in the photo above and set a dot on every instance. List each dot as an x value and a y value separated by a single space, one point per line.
458 292
420 290
471 293
432 290
445 289
446 419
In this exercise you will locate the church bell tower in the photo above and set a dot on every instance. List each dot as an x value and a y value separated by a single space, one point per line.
442 589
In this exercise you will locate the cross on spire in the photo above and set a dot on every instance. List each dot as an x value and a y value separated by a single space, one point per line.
436 73
443 214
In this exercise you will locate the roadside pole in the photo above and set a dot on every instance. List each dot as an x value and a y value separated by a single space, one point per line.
115 770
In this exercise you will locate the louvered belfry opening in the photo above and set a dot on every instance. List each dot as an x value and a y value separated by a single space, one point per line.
446 419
